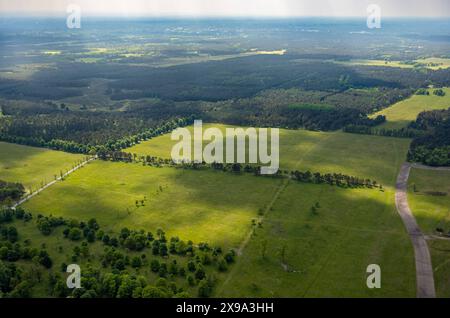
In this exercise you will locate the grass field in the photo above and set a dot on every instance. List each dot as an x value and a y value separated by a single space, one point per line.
402 113
432 63
326 253
195 205
378 63
430 204
31 166
358 155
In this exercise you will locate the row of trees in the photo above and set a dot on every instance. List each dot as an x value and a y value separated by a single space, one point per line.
337 179
399 133
88 148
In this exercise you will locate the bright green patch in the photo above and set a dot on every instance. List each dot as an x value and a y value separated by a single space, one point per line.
331 152
195 205
33 166
402 113
431 63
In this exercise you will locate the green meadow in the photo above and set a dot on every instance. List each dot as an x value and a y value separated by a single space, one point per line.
325 253
202 206
290 249
430 202
431 63
365 156
33 166
402 113
429 199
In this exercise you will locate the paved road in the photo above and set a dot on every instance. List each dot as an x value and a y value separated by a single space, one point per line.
28 197
424 269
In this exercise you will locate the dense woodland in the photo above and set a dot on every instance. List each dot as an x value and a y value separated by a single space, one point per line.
81 134
10 191
433 148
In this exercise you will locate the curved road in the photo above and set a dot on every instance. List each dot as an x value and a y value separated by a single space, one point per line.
424 269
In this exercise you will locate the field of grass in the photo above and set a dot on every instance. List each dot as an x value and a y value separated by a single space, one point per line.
440 257
327 252
402 113
31 166
195 205
358 155
378 63
430 204
432 63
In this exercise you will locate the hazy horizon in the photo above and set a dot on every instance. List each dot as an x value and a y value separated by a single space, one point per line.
228 8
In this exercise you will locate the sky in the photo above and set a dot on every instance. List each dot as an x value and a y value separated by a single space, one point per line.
229 8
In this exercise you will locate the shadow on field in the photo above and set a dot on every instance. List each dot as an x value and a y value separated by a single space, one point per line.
301 252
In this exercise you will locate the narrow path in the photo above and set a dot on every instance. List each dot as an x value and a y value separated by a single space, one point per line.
424 269
280 189
31 195
247 239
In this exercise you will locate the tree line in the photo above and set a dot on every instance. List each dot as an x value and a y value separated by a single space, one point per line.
433 147
337 179
398 133
110 145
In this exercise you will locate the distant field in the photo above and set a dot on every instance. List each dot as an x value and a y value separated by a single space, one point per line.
326 253
359 155
31 166
401 114
378 63
432 63
195 205
430 204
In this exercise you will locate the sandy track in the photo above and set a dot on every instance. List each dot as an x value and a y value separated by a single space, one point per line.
424 269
